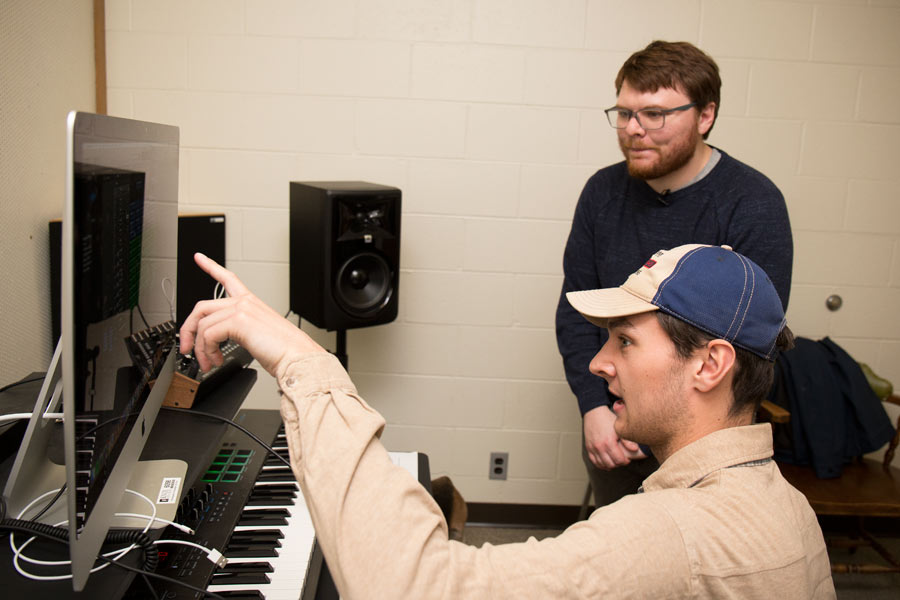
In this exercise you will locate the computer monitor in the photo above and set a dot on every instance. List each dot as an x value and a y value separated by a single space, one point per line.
119 249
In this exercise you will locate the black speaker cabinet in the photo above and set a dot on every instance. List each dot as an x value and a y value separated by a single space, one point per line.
345 253
197 233
55 281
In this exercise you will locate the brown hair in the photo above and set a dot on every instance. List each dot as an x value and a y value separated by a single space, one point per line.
753 375
676 65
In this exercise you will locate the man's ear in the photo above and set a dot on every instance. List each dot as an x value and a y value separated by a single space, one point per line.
707 118
716 361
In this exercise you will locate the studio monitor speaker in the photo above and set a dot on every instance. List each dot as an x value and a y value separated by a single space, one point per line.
344 253
197 233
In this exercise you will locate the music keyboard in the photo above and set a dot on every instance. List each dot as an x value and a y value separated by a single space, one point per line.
248 505
270 548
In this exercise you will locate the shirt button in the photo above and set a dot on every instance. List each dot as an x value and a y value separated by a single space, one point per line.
290 382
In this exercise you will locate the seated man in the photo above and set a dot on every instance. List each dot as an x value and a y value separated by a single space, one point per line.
692 336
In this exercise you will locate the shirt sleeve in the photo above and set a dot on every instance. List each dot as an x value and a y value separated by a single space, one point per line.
383 536
579 340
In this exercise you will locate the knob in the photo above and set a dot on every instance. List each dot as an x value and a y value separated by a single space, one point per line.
834 302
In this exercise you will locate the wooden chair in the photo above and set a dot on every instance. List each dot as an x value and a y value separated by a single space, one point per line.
866 488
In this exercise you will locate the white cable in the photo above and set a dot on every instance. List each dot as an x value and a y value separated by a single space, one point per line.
14 417
115 554
178 526
24 416
213 555
35 501
169 298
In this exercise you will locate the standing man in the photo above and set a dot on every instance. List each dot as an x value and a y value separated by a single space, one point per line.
672 189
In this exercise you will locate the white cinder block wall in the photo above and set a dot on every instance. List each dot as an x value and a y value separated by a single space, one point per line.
488 115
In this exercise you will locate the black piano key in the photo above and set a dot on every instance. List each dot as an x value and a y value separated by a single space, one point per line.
257 535
265 516
250 551
251 544
267 499
239 579
247 567
246 549
284 475
270 501
278 489
283 487
242 595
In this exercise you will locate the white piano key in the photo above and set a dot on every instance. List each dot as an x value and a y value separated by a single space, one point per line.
289 567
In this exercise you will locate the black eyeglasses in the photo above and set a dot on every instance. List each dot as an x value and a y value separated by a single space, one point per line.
647 118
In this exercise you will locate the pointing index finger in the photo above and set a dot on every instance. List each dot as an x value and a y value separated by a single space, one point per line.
229 280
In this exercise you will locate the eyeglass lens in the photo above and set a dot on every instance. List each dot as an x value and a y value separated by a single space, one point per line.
647 118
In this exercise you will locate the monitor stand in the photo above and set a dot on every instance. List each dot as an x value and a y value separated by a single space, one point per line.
34 473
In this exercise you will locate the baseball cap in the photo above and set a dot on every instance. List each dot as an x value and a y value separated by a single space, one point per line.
713 288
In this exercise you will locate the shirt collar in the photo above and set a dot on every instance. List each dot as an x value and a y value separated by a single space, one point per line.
721 449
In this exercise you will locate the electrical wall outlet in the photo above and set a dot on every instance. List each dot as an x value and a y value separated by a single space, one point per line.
499 464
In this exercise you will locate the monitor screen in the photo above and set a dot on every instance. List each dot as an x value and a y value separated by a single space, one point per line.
120 225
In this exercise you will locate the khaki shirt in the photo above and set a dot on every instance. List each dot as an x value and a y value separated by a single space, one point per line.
717 520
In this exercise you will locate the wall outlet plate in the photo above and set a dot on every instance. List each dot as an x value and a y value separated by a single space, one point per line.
499 464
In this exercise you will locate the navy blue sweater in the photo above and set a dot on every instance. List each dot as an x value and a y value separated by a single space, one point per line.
621 221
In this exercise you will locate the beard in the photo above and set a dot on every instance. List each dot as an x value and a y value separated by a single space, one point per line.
669 158
655 419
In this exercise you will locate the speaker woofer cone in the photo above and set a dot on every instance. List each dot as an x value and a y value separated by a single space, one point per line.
363 284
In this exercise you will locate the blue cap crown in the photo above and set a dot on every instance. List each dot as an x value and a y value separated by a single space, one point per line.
726 295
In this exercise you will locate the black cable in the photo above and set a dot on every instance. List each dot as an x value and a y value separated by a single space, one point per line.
235 425
150 586
53 500
12 385
140 312
121 536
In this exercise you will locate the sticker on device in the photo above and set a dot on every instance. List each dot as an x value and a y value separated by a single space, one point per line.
168 492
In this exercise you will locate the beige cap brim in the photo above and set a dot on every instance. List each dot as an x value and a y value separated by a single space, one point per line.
598 306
